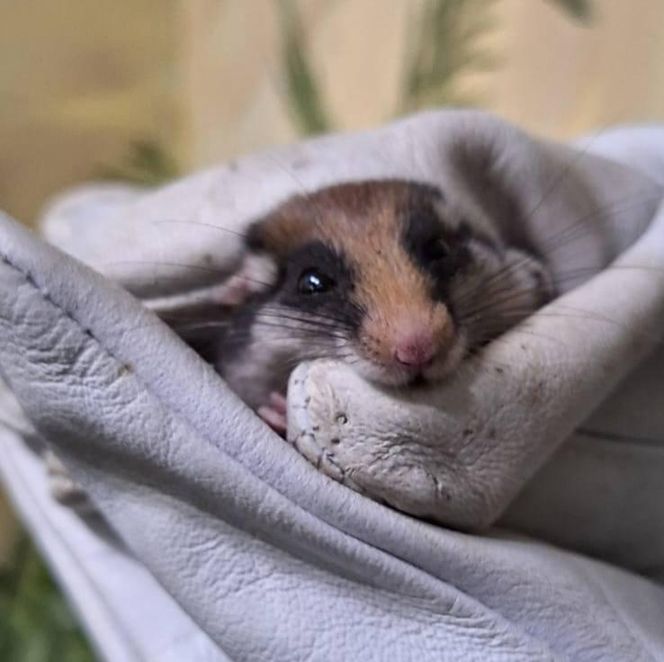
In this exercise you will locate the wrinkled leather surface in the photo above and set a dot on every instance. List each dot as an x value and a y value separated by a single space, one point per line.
602 490
271 558
461 453
127 616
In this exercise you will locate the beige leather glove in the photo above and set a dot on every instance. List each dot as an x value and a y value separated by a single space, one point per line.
460 453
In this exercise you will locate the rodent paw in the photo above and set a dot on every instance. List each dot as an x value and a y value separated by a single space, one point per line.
274 413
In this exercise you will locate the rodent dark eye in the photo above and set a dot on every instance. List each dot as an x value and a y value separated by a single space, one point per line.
435 251
313 281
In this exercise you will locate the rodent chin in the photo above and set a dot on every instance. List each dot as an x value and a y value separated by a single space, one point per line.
395 375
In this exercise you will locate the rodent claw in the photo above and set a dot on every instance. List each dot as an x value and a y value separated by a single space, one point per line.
278 402
274 418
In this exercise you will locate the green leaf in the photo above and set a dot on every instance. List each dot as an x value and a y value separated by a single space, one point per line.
579 10
444 43
36 624
147 164
304 95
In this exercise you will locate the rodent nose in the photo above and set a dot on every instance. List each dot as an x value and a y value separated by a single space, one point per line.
416 351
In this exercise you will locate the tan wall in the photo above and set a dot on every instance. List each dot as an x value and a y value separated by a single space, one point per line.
80 79
552 75
230 83
561 79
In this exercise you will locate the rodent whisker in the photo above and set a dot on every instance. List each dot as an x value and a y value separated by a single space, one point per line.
476 355
279 309
212 226
179 316
314 351
157 263
280 313
507 367
564 172
317 353
575 273
300 323
302 189
524 330
249 279
494 279
224 274
558 240
588 315
577 228
572 275
501 274
473 313
318 318
294 332
359 308
507 316
202 325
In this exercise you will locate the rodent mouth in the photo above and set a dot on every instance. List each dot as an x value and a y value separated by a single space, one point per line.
395 373
419 381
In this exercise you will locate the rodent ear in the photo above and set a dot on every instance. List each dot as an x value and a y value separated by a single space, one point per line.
257 273
254 237
279 231
534 193
486 170
530 281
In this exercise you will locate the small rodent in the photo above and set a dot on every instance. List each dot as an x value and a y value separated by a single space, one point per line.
385 275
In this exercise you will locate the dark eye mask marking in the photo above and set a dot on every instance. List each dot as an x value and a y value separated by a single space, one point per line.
439 251
335 302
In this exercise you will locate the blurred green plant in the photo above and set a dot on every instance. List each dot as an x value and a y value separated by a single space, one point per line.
580 10
36 624
445 43
302 88
147 164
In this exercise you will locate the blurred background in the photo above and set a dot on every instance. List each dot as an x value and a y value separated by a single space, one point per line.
150 89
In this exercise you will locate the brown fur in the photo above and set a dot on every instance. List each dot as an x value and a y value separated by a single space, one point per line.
361 222
397 303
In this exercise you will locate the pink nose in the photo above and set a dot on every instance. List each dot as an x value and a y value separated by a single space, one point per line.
416 351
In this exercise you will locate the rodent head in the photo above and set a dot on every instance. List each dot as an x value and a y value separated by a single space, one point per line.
384 275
